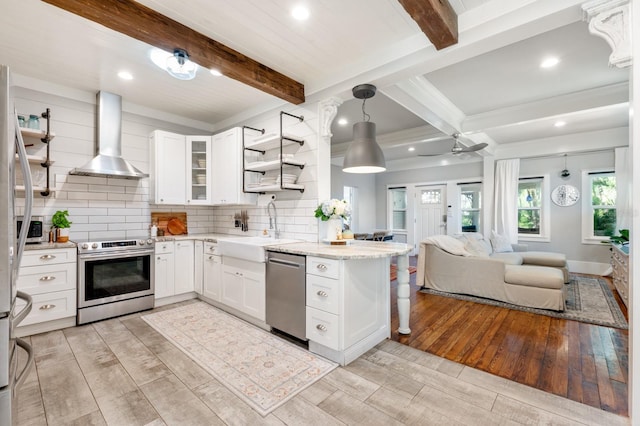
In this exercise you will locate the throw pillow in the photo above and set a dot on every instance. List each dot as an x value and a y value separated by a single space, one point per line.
500 243
476 248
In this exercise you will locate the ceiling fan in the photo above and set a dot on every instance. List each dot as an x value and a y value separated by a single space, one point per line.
457 148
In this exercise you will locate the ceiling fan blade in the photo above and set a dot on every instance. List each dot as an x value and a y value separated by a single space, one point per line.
474 148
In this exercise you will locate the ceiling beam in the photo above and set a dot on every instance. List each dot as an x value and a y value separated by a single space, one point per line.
142 23
436 18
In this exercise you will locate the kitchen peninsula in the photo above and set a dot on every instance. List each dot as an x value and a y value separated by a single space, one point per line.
348 295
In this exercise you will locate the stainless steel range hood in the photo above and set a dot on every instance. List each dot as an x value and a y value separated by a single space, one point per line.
108 161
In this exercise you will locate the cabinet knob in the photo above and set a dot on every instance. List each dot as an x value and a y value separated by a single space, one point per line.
158 257
47 257
321 327
210 257
321 266
47 278
46 307
322 293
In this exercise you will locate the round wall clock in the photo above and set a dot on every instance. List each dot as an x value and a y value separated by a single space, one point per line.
565 195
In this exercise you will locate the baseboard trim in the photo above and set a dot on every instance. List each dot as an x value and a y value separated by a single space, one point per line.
594 268
45 327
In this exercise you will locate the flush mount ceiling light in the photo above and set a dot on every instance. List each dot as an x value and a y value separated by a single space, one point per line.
215 72
364 154
177 64
343 122
300 13
125 75
559 123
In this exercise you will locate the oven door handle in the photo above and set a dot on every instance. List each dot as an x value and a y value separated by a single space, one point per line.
115 255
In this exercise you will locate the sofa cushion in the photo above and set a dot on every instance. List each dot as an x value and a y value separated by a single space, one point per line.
508 258
544 258
476 247
500 243
534 276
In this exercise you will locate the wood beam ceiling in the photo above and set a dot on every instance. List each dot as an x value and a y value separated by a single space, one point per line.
142 23
436 18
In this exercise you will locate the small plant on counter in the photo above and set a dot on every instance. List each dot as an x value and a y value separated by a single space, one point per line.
59 219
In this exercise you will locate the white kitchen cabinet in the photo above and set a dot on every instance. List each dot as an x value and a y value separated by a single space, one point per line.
184 267
199 169
180 169
174 273
167 171
49 276
347 306
228 169
212 272
243 286
198 267
164 270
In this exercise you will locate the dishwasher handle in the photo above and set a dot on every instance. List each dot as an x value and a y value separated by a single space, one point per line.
286 263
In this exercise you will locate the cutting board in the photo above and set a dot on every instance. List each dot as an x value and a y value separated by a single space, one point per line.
178 222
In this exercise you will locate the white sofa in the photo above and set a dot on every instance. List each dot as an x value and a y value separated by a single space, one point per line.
451 265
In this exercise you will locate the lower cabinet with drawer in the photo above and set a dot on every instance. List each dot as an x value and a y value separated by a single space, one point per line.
347 306
49 276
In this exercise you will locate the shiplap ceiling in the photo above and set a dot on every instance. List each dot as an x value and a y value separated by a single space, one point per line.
344 43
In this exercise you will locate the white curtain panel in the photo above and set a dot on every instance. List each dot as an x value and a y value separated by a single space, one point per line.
505 221
623 188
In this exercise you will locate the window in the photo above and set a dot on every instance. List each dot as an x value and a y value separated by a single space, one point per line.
350 195
599 205
533 208
398 199
470 206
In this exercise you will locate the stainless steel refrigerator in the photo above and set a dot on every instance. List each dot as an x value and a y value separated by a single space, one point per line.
11 248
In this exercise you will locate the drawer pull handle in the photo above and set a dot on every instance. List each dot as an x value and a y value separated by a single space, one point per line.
321 327
47 257
322 294
322 267
47 278
46 307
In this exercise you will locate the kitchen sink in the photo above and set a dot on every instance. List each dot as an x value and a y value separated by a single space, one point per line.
249 248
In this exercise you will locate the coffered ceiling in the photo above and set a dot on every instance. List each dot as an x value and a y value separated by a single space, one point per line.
488 84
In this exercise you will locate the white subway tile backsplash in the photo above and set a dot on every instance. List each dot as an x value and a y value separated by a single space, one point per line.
86 196
107 219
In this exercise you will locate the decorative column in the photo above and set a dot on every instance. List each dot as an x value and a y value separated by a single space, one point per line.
327 110
610 19
404 304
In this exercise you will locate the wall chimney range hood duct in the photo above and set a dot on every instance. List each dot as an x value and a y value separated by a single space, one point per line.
108 161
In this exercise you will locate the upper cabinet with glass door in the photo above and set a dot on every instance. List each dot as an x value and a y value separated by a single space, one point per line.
199 164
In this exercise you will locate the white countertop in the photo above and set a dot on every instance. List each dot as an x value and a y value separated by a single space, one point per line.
356 250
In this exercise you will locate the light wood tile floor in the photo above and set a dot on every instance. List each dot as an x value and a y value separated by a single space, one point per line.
122 372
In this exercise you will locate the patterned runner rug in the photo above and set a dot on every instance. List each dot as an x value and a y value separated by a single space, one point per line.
263 370
588 300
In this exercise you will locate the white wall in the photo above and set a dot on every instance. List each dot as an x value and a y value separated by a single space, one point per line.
102 208
366 184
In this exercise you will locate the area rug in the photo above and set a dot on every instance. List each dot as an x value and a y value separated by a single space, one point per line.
589 300
393 271
263 370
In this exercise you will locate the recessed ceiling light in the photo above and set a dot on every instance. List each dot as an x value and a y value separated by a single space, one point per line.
215 72
343 121
559 123
125 75
300 12
549 62
411 149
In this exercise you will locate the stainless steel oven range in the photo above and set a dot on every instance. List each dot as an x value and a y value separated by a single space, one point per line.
114 278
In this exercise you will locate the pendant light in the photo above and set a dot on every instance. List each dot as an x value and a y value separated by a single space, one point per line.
364 154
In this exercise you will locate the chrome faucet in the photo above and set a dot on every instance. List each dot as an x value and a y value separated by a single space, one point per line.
273 221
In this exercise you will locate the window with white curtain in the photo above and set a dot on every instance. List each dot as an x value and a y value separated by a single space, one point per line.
533 208
599 205
470 206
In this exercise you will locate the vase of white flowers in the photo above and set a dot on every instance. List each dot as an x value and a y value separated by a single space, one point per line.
332 212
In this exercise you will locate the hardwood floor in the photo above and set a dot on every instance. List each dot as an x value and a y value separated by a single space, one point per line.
583 362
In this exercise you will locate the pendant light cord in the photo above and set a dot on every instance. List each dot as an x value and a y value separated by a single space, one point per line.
365 116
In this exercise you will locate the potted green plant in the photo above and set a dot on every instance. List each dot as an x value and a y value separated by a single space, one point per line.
62 224
621 239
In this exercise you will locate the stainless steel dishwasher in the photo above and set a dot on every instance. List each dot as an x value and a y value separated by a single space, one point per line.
286 293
